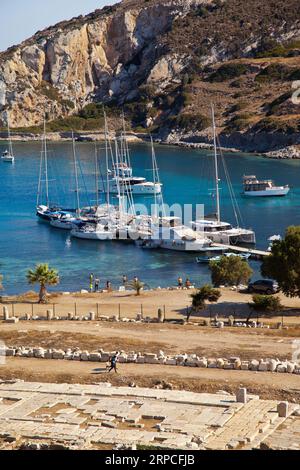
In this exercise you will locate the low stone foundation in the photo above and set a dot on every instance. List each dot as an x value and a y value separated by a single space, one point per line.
184 360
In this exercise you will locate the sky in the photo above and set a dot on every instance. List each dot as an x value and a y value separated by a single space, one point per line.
22 18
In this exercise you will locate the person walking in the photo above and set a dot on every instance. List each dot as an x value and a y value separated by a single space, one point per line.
113 362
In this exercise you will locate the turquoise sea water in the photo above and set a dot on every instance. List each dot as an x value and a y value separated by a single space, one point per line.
187 179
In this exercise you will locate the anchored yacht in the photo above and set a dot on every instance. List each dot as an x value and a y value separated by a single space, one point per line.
121 179
169 234
215 229
223 232
254 187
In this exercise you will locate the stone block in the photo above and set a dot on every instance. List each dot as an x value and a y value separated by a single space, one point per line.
220 363
241 396
202 363
95 357
290 367
49 315
283 409
212 363
272 365
245 365
170 362
132 358
140 360
92 316
12 320
254 364
281 368
263 366
84 356
5 313
9 352
58 354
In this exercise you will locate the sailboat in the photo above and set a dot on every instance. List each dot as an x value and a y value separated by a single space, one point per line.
121 175
214 228
168 232
8 154
65 220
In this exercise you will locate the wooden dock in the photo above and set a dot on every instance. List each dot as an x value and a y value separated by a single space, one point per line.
255 254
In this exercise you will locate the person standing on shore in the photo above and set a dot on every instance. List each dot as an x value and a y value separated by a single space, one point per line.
125 280
180 282
91 281
97 284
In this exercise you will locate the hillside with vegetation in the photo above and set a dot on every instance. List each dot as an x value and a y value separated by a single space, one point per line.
163 63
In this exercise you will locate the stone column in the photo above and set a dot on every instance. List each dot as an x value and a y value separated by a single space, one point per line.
49 315
92 316
283 409
241 396
160 316
5 313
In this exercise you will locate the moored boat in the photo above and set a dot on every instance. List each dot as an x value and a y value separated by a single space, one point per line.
253 187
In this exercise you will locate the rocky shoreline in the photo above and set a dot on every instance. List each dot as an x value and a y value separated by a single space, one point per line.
288 152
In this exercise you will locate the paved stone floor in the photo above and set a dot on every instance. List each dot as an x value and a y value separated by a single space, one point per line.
101 417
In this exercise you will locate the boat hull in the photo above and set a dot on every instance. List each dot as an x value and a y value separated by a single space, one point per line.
137 189
97 236
279 192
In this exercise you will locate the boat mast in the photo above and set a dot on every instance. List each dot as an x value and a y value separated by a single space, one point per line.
106 159
96 176
10 147
46 163
76 176
216 165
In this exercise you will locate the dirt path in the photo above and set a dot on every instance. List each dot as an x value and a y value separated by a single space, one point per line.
267 385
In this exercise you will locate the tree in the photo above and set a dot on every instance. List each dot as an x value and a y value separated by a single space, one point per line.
204 294
230 270
283 264
43 275
264 304
136 285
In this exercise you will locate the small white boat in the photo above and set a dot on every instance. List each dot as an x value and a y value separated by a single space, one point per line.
254 187
63 222
7 157
94 232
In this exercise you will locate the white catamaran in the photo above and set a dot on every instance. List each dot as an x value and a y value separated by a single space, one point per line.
214 228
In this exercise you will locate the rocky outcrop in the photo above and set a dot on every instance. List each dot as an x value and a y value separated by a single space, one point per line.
103 56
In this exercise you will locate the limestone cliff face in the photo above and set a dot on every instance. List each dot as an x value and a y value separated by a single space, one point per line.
104 56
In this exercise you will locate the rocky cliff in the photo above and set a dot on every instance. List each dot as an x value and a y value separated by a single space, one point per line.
164 62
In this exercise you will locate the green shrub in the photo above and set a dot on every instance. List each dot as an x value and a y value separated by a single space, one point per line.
192 122
227 72
273 72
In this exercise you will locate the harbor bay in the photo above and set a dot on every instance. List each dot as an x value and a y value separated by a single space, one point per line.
187 178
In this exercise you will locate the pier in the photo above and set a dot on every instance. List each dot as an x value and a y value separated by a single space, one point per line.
255 254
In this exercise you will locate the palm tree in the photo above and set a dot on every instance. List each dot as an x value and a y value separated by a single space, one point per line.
43 275
136 285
